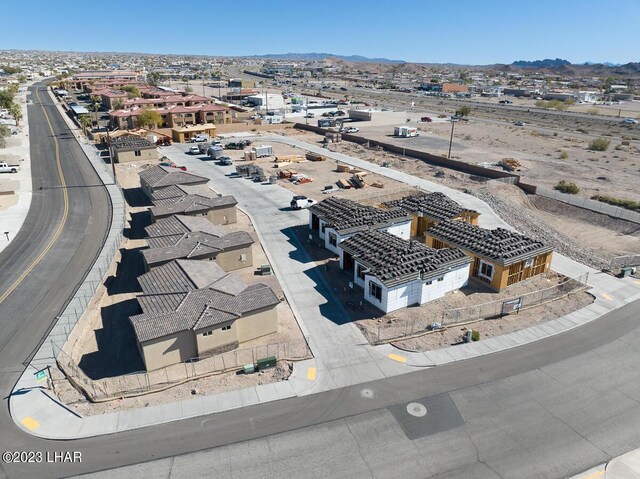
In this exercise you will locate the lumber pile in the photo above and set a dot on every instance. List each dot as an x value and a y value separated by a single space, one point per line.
509 164
315 157
343 168
288 159
344 184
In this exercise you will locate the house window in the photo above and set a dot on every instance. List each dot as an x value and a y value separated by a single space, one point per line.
208 333
333 241
486 271
441 279
360 272
138 153
375 290
322 228
226 328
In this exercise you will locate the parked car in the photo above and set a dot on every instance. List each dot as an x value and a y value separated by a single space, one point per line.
327 113
6 168
225 161
194 150
343 88
426 119
237 145
309 115
351 129
299 202
520 123
199 139
630 121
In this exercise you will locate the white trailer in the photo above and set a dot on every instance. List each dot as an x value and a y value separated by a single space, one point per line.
263 150
405 131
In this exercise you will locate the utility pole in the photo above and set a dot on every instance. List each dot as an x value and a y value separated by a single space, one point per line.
453 123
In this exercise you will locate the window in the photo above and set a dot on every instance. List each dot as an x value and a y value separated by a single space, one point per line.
333 241
441 279
322 228
208 333
375 290
486 270
138 153
360 272
226 328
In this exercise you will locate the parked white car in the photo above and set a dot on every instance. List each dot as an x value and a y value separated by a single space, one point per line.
194 150
299 202
630 121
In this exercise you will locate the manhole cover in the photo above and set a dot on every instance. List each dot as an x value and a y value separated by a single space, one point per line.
416 409
366 393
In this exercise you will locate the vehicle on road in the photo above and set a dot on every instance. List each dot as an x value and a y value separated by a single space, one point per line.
225 161
520 123
630 121
194 150
6 168
299 202
351 129
506 102
405 131
310 115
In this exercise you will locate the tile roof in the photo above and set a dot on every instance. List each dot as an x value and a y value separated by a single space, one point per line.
346 216
195 245
163 176
502 246
175 191
194 204
396 261
224 300
131 142
434 205
181 276
180 224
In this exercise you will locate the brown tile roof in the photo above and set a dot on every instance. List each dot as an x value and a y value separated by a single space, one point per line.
163 176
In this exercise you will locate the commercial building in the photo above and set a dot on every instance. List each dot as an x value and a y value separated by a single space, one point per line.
132 148
396 273
336 219
429 209
202 116
159 177
500 257
455 88
188 237
191 309
378 116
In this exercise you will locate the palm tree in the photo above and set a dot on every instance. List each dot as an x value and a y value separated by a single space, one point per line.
16 112
95 107
85 122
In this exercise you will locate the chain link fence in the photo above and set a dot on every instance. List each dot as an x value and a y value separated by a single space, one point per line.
493 309
143 382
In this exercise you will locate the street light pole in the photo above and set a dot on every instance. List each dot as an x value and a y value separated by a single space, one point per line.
451 139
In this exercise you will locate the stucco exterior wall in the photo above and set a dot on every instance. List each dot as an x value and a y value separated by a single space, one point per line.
258 324
237 258
223 216
169 350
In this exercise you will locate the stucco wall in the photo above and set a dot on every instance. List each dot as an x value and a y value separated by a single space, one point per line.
169 350
217 339
223 216
258 324
148 154
232 259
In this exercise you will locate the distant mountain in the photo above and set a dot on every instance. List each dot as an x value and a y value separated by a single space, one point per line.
323 56
546 63
605 64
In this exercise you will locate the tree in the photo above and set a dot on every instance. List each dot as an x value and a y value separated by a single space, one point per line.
118 105
153 78
22 78
132 91
6 98
85 122
149 119
463 111
5 133
95 107
10 70
16 112
188 89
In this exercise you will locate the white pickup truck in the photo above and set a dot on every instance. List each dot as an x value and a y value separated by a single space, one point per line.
5 168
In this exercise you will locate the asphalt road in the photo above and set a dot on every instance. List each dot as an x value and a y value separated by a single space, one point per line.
547 409
71 241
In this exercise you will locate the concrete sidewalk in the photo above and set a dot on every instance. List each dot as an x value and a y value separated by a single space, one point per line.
14 216
342 356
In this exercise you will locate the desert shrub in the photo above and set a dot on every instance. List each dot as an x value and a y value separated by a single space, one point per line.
566 187
599 144
627 204
564 155
475 335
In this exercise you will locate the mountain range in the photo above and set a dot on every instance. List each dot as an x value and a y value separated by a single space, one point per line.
323 56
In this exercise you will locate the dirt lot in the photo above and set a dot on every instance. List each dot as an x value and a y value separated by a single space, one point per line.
583 235
107 347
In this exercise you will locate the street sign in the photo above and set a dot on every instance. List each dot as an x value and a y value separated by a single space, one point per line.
41 375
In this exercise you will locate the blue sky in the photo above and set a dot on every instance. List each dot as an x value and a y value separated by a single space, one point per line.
430 31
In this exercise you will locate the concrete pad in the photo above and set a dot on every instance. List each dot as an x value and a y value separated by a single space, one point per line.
211 404
284 390
192 407
97 425
266 392
231 400
440 356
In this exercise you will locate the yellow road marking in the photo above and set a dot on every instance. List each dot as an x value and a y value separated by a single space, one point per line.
63 221
30 423
311 374
607 296
397 357
594 475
